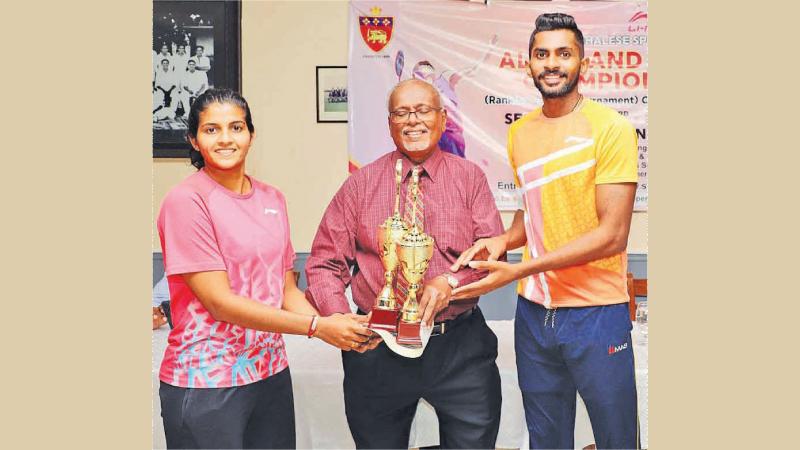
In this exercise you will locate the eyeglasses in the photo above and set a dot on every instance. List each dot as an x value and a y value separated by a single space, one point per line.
403 115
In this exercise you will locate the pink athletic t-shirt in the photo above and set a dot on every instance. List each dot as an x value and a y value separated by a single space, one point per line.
206 227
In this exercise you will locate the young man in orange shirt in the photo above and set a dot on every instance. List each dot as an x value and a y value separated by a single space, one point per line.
575 163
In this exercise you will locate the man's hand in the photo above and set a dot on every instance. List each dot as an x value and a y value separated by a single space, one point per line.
159 319
487 249
500 274
373 342
435 297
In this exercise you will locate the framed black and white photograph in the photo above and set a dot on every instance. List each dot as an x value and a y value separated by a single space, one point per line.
332 94
196 46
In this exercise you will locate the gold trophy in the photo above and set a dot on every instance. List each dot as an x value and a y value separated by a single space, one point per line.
415 250
385 313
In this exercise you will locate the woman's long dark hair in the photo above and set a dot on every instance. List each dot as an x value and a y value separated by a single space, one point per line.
223 95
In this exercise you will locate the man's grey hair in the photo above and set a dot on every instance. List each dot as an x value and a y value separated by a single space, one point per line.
436 95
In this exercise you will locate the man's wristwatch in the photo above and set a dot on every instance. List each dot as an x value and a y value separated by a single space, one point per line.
451 280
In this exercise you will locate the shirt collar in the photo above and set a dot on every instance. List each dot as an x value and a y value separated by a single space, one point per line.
430 166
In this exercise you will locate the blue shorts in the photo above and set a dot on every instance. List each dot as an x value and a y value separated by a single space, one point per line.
567 350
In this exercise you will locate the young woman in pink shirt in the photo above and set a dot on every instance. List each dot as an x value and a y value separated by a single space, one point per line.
225 380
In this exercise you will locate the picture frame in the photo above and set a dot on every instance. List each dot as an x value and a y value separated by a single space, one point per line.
216 27
331 94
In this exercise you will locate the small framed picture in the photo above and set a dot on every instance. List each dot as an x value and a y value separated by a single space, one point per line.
332 94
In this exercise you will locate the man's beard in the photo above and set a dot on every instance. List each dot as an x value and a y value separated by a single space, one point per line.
566 89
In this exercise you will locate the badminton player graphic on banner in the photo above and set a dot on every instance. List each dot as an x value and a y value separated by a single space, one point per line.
474 55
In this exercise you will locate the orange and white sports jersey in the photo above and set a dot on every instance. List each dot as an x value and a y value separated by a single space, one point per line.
557 162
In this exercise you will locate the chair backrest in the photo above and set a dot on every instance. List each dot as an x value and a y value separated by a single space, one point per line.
636 287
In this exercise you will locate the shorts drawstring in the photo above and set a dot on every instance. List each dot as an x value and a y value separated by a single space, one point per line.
547 315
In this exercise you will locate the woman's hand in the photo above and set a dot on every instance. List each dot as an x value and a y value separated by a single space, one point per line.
344 332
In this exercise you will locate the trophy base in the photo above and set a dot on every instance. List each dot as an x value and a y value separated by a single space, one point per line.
408 334
384 319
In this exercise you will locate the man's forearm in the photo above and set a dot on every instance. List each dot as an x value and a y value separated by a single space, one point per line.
515 235
468 275
333 252
330 304
596 244
328 277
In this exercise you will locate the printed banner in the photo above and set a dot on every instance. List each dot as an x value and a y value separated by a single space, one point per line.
476 55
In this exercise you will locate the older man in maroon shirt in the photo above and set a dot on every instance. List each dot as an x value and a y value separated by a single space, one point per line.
457 373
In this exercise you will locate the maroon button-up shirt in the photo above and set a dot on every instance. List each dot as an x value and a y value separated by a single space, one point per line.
459 209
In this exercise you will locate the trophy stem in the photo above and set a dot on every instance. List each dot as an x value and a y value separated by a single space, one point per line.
386 299
385 312
408 329
411 307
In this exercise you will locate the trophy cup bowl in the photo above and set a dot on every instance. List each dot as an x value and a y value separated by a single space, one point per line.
385 312
415 251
